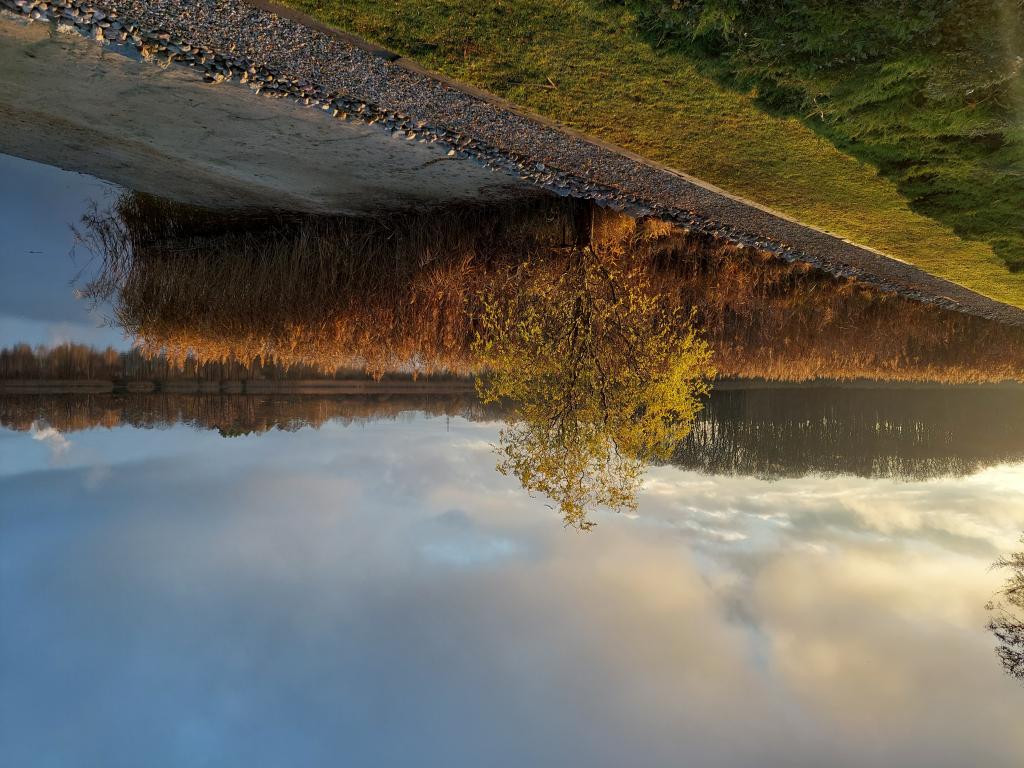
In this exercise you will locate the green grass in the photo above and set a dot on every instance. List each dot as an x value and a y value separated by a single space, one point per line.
611 84
930 92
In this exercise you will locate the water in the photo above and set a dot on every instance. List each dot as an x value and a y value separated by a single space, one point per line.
374 593
260 580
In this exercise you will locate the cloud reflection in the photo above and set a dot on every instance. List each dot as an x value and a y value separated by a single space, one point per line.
378 595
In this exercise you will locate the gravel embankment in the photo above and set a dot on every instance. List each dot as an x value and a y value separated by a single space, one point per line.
232 40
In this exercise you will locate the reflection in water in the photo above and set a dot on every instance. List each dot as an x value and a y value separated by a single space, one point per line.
603 375
229 415
182 599
1007 615
771 433
910 433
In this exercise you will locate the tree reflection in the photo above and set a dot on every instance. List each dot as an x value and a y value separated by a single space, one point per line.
604 376
1007 615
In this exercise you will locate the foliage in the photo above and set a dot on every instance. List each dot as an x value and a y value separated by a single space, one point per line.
1007 622
929 91
662 103
603 374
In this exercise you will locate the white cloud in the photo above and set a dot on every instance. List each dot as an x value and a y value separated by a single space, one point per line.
52 438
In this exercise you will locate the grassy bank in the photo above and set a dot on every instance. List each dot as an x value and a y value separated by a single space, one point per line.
930 92
584 63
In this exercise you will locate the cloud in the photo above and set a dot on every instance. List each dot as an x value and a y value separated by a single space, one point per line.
315 590
453 538
52 438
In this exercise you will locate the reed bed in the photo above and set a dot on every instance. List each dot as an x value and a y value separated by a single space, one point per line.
380 294
404 293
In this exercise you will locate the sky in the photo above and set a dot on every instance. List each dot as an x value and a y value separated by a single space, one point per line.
40 204
379 595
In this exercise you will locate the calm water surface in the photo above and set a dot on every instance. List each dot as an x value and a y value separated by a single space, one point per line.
376 594
350 582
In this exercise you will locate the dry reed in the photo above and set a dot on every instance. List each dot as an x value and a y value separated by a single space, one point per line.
402 293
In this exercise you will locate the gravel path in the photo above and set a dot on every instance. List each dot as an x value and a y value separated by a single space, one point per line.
286 55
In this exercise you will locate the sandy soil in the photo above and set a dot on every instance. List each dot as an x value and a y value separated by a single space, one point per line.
69 102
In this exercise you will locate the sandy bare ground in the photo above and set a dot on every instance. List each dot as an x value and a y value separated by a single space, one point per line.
69 102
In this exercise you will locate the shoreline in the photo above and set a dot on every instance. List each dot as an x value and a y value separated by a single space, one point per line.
279 56
32 387
232 387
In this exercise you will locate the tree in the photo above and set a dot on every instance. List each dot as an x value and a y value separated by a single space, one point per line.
603 375
1007 611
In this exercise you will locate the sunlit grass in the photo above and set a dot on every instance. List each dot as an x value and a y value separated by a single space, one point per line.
609 83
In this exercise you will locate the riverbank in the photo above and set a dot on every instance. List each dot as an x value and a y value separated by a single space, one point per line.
279 56
426 388
612 71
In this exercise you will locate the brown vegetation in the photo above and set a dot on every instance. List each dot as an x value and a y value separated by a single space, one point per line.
375 294
80 362
406 293
788 322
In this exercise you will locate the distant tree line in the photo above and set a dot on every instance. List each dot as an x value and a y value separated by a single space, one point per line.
77 362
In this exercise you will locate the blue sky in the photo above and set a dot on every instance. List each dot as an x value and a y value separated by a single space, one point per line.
37 302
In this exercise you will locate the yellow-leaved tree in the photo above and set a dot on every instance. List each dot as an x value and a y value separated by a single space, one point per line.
603 374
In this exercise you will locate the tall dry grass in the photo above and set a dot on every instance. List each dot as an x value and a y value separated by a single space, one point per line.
404 292
380 294
768 319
